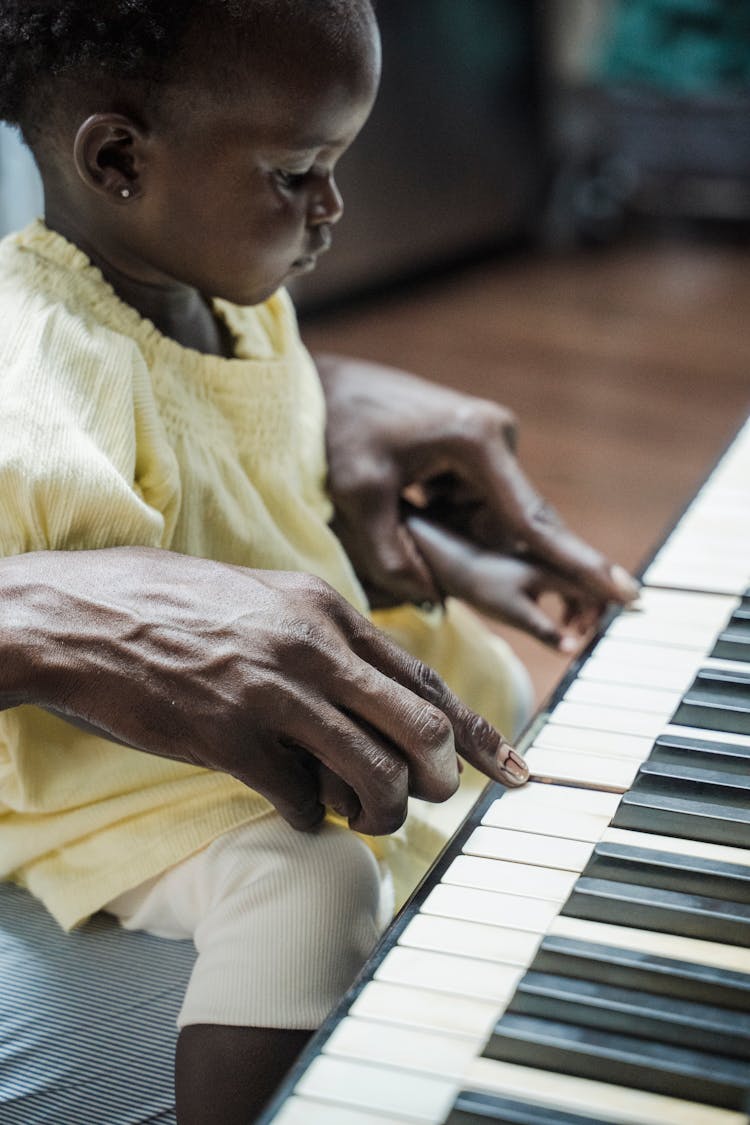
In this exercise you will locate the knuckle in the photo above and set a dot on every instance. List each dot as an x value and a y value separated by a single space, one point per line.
320 603
391 774
318 589
434 728
363 478
303 636
482 736
389 784
426 681
544 514
430 723
397 572
479 419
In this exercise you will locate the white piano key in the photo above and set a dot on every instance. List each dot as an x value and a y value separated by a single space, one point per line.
547 821
468 939
654 655
440 972
421 1007
565 798
686 634
706 521
679 948
428 1052
614 774
620 1105
304 1111
528 847
521 879
616 720
595 694
490 908
696 849
583 740
378 1089
678 605
729 580
637 654
669 571
710 547
660 674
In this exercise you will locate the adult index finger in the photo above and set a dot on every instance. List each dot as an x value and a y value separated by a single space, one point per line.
593 574
416 710
542 534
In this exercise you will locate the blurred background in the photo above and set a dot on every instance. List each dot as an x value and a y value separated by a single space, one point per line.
550 207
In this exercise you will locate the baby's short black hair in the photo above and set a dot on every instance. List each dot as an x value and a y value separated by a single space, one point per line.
130 42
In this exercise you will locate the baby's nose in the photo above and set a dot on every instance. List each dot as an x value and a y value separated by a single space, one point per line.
327 206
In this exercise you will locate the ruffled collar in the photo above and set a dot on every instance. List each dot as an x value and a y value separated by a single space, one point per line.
253 341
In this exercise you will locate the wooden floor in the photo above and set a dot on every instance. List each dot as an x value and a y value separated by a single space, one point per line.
629 369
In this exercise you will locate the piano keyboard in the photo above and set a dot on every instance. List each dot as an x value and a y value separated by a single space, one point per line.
581 952
710 547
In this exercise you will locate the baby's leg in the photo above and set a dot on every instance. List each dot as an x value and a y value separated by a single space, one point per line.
282 922
225 1075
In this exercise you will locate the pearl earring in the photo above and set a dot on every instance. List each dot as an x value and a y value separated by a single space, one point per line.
125 192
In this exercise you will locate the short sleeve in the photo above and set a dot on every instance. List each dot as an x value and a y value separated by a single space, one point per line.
84 460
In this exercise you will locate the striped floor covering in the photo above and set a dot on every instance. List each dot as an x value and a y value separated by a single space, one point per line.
87 1020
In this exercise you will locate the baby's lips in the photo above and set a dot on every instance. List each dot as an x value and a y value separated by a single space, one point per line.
514 770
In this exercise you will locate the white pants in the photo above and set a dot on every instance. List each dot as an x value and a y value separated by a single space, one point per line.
282 921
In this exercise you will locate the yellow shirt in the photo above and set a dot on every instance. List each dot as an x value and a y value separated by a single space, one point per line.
111 435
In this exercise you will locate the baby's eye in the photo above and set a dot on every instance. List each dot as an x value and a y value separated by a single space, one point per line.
291 180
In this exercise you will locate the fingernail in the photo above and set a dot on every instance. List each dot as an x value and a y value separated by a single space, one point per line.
568 645
515 769
626 585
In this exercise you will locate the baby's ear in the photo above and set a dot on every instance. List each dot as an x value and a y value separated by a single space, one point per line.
108 152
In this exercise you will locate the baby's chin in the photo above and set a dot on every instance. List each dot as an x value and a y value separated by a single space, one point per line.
258 291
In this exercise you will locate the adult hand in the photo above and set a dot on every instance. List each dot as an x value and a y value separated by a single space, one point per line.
268 676
395 442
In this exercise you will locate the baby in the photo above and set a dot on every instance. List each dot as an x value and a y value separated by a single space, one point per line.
155 392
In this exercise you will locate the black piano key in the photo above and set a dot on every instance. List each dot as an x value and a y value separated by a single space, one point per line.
626 863
649 972
733 643
627 1011
726 757
685 779
721 685
717 700
651 908
713 822
623 1060
473 1108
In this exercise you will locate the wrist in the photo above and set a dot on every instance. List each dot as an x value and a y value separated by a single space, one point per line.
28 604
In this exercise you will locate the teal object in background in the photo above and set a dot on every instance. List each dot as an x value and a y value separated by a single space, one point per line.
488 36
681 46
21 196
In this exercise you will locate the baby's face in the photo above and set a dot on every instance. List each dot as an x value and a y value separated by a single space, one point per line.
241 196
